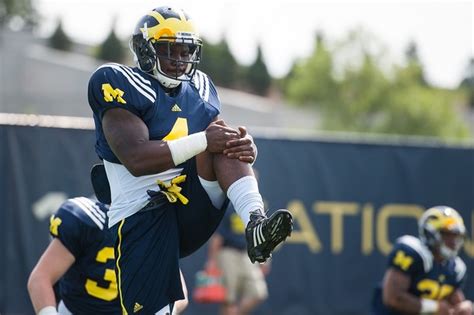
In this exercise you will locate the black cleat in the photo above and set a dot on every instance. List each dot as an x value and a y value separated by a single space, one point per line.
264 234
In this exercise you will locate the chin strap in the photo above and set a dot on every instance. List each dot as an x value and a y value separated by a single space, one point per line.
164 80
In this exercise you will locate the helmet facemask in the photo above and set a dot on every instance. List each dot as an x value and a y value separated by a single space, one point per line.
176 60
455 238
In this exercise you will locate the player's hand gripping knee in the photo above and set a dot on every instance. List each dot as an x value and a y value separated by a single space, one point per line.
444 308
218 134
243 149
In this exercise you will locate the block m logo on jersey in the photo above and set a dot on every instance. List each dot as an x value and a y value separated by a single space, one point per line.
111 94
54 225
402 260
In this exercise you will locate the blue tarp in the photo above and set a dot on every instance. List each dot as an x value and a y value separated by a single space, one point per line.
350 202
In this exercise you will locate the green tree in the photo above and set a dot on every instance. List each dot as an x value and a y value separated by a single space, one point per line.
219 63
311 80
467 84
359 98
418 110
413 71
111 49
257 78
365 96
415 108
59 39
20 8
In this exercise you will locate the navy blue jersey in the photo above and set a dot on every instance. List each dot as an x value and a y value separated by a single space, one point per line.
428 279
232 230
90 285
168 117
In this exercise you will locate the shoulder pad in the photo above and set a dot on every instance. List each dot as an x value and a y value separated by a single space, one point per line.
135 78
459 268
88 211
420 248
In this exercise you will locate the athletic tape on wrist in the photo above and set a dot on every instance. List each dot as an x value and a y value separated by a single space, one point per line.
184 148
429 306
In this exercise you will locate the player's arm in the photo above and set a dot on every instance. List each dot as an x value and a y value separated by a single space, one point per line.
461 305
52 265
128 138
395 292
396 296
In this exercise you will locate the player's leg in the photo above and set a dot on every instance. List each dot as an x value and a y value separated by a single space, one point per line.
200 217
229 309
181 305
208 178
62 309
255 289
238 182
229 264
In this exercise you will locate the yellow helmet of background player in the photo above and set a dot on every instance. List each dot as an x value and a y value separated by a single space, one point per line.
166 26
437 220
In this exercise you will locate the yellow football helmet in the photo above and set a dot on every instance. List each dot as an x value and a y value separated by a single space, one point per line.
437 220
153 39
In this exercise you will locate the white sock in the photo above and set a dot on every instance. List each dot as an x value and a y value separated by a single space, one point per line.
214 191
245 197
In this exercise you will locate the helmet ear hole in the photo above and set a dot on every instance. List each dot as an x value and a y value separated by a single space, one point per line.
144 52
432 237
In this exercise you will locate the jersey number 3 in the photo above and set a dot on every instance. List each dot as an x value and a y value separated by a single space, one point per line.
93 289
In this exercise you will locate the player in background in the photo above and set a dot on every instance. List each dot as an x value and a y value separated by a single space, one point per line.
80 260
425 274
244 281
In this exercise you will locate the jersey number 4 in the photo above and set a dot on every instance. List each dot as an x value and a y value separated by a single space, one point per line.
92 287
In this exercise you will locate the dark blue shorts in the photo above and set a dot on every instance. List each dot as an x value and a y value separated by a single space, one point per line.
150 243
147 254
198 219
